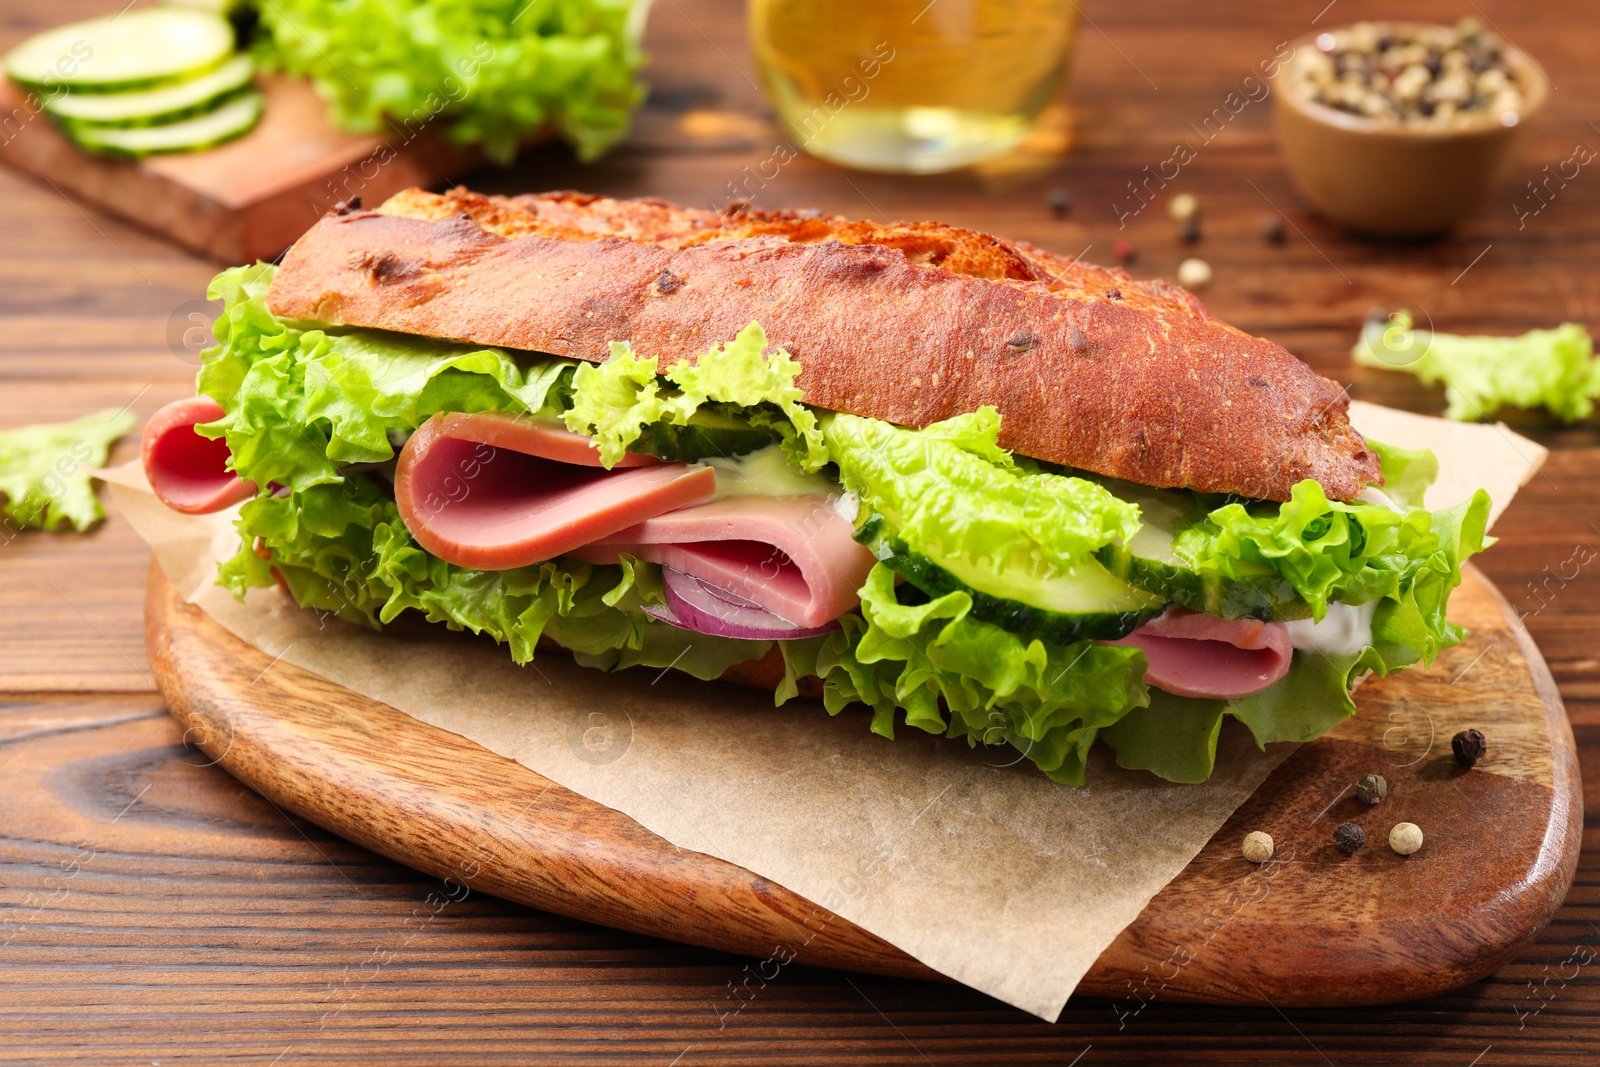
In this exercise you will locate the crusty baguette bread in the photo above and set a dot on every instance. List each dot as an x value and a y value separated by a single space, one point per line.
911 323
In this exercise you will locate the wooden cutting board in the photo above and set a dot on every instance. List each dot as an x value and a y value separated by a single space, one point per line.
245 200
1313 927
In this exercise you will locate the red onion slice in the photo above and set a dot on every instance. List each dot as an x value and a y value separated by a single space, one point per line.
699 606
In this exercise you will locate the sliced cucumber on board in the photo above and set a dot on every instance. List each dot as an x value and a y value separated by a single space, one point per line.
223 123
1149 562
140 47
1091 603
162 104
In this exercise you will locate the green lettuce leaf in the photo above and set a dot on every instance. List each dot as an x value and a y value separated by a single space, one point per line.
44 471
1329 550
1553 369
951 493
1407 472
614 401
935 668
303 402
487 72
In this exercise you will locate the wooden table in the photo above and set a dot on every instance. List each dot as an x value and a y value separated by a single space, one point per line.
153 910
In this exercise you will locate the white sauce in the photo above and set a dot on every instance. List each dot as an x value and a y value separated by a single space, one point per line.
1343 631
766 472
1373 495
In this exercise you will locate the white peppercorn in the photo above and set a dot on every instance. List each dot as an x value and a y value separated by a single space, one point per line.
1194 274
1405 838
1257 847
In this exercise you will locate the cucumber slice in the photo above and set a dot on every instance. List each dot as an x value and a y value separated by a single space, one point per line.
1149 562
233 118
707 435
1090 604
141 47
163 104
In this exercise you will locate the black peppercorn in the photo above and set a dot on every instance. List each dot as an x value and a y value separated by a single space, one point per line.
1060 202
1189 229
1372 788
1469 747
1272 230
1348 838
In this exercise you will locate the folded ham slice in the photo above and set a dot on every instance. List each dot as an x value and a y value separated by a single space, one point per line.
494 492
1193 654
793 555
189 473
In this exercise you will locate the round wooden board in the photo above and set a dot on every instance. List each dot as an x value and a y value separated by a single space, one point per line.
1312 927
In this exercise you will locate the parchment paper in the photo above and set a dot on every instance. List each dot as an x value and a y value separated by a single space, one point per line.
970 861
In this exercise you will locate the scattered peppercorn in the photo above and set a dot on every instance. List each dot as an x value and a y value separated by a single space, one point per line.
1123 251
1189 229
1469 747
1405 838
1272 230
1184 206
1113 294
1060 202
1257 847
1348 838
1194 274
1372 788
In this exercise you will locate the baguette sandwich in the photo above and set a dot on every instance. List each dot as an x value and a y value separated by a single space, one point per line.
984 491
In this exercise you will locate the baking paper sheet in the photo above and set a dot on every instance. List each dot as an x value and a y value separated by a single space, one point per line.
970 861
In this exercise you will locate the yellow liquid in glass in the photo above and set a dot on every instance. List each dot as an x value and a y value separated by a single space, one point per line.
909 85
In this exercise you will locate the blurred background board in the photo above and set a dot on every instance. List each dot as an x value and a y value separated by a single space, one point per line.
244 200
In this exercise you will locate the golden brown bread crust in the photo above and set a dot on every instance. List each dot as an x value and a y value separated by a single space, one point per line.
911 323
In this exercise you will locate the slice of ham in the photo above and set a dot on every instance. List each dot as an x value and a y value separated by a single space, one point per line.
794 556
189 473
1193 654
493 492
544 438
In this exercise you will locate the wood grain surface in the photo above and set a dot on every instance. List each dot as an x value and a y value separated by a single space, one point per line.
154 909
1367 929
244 200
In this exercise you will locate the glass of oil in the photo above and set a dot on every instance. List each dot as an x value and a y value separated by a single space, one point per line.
911 85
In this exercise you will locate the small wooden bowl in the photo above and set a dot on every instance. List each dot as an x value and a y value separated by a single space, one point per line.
1398 181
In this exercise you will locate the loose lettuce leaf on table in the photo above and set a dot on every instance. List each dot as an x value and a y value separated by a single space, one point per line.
44 470
1553 369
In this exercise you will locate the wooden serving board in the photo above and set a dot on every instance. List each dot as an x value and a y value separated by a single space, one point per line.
1311 928
245 200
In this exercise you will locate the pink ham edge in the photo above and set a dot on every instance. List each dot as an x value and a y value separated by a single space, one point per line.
794 556
544 438
1192 654
189 473
494 507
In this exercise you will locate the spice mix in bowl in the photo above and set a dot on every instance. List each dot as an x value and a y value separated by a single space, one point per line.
1401 129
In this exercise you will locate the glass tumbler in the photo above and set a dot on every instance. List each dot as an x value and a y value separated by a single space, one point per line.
911 85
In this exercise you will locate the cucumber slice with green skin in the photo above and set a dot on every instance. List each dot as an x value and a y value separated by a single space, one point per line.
232 118
1090 604
138 48
706 436
1149 562
163 104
